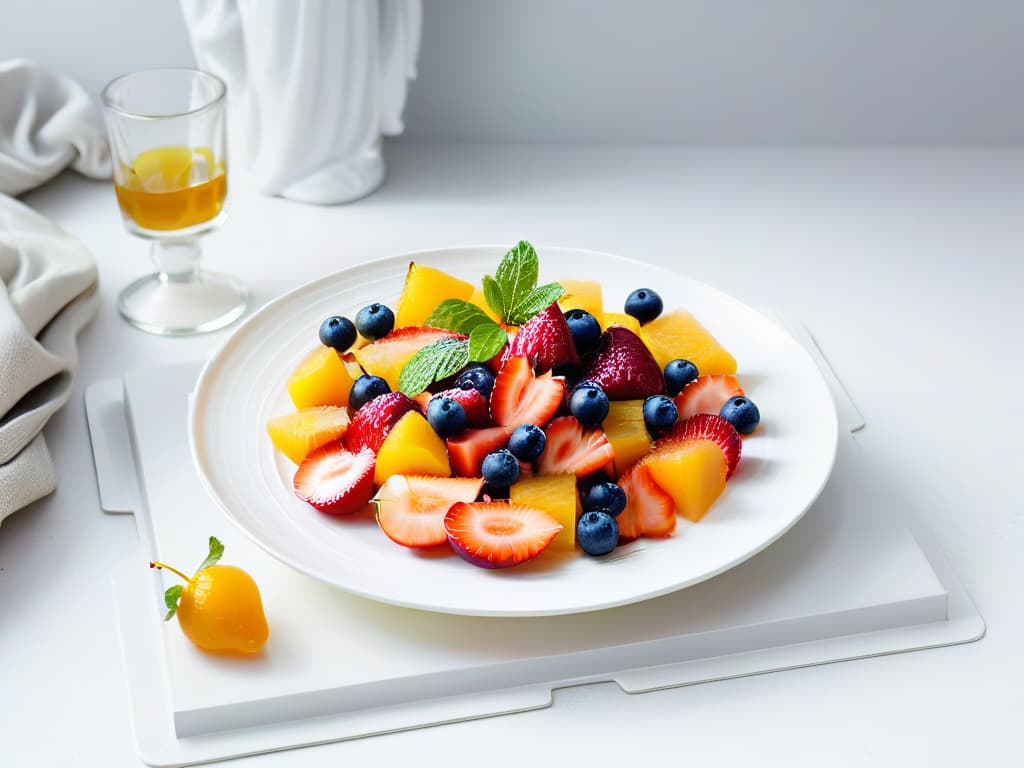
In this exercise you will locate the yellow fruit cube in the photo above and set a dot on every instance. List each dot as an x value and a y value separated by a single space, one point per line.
582 294
692 472
412 447
679 334
425 288
322 378
477 298
554 494
625 429
298 434
620 318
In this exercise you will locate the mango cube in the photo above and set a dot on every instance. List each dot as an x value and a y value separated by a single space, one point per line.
625 429
412 447
679 334
692 472
582 294
298 434
322 378
554 494
425 288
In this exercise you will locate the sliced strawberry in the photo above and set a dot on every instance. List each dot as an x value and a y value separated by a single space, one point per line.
706 394
649 510
334 480
478 412
545 340
375 419
623 366
411 510
466 452
571 449
711 426
519 397
496 534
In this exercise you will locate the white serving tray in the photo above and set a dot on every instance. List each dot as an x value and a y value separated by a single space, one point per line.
848 581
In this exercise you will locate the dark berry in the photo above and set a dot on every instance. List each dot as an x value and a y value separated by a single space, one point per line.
446 416
643 304
364 389
589 404
679 373
338 333
741 412
584 328
479 378
660 413
375 321
527 442
597 533
500 468
605 496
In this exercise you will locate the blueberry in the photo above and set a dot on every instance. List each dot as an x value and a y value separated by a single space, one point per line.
597 533
364 389
446 416
337 332
500 468
584 328
375 321
479 378
588 403
607 497
741 412
660 413
643 304
527 442
679 373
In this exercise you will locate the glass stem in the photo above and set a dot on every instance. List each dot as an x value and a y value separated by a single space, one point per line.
176 261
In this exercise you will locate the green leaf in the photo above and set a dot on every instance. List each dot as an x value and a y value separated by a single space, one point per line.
457 315
492 295
216 550
432 363
485 341
517 275
537 300
171 597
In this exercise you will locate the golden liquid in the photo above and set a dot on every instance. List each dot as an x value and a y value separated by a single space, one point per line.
170 188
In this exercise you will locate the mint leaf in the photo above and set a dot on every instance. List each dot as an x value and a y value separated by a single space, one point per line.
432 363
492 294
485 341
517 275
458 315
537 300
216 550
171 597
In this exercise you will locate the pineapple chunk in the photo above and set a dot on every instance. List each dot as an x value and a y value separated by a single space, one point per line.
692 472
680 335
620 318
298 434
412 447
556 495
425 288
582 294
625 429
322 378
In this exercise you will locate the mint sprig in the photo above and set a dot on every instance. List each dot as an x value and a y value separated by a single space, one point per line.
171 598
214 555
513 293
459 316
434 362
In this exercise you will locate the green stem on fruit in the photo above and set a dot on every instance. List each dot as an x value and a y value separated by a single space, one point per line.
182 576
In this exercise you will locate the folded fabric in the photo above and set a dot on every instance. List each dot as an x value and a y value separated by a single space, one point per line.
47 122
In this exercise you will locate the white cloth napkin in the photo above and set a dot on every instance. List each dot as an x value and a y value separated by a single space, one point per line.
47 278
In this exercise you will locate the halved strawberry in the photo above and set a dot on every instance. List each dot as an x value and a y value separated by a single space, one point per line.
496 534
571 449
649 510
711 426
334 480
706 394
387 356
375 419
623 366
466 452
520 397
545 340
478 413
411 509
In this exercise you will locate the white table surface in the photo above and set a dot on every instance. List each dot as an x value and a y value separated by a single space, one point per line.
906 264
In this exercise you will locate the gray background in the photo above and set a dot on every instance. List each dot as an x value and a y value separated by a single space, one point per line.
782 72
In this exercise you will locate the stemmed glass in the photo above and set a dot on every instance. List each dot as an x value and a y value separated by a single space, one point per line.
167 141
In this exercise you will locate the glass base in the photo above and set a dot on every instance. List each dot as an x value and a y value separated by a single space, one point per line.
172 306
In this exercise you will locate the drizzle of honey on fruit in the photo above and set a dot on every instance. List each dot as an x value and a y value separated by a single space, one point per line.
171 188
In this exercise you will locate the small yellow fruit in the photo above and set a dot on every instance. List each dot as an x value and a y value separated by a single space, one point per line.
620 318
322 378
582 294
554 494
425 288
680 335
692 472
412 447
626 430
298 434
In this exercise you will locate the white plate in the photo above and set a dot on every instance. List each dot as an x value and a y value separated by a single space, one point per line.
783 469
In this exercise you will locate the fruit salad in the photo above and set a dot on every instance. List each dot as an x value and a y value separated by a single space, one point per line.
508 419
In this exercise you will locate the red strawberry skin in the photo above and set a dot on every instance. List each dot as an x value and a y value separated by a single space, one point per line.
336 481
467 451
497 534
375 419
478 412
545 340
711 426
623 366
519 397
